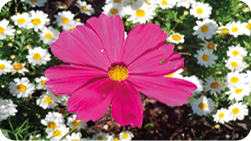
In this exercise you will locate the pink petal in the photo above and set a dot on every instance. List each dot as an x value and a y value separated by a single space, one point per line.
111 32
66 79
140 39
91 101
170 91
127 106
81 46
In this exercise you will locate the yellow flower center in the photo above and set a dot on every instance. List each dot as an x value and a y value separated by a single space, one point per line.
56 95
43 81
65 20
118 73
169 75
238 91
2 66
118 1
114 11
234 64
36 21
1 30
202 105
248 26
74 139
63 4
234 79
48 35
176 37
164 2
115 139
17 67
47 99
21 20
57 133
52 125
225 31
100 138
204 28
221 115
71 29
33 0
235 111
205 57
235 52
21 87
199 11
140 13
214 85
210 46
75 123
84 8
125 135
235 29
37 56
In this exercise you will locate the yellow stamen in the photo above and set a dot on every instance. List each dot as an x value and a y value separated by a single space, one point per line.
199 11
2 67
75 122
56 95
118 1
234 64
48 35
204 28
176 37
210 46
125 135
1 30
52 125
43 81
225 31
221 115
169 75
21 87
235 111
164 2
140 13
235 29
65 20
36 21
114 11
57 133
84 8
205 57
118 72
238 91
37 56
115 139
235 52
48 99
234 79
214 85
202 105
248 26
100 138
21 20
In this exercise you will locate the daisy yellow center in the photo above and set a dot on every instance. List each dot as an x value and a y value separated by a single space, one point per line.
65 100
147 2
48 35
114 11
36 21
140 13
234 79
52 125
248 26
74 139
125 135
199 11
205 57
204 28
33 0
170 75
71 29
17 67
47 99
21 87
164 2
115 139
56 95
57 133
210 46
214 85
37 56
235 111
84 8
43 81
235 52
234 64
225 31
21 20
118 73
100 138
75 123
202 105
118 1
1 30
221 115
65 20
2 66
238 91
176 37
235 29
63 4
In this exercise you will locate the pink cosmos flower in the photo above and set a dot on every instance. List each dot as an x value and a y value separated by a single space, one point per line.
104 70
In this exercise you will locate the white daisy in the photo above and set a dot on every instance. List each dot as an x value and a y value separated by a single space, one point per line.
5 29
201 10
100 136
176 74
21 87
205 29
49 35
176 38
34 137
5 66
38 20
235 64
203 106
64 99
140 13
126 135
237 111
235 79
64 18
247 27
185 3
166 4
53 120
238 92
236 51
61 5
38 56
114 9
46 101
235 28
72 25
205 57
249 79
57 133
213 86
7 108
33 3
208 45
221 116
22 20
19 67
85 8
197 82
72 122
74 137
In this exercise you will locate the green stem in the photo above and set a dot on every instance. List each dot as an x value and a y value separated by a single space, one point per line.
13 132
76 13
71 130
